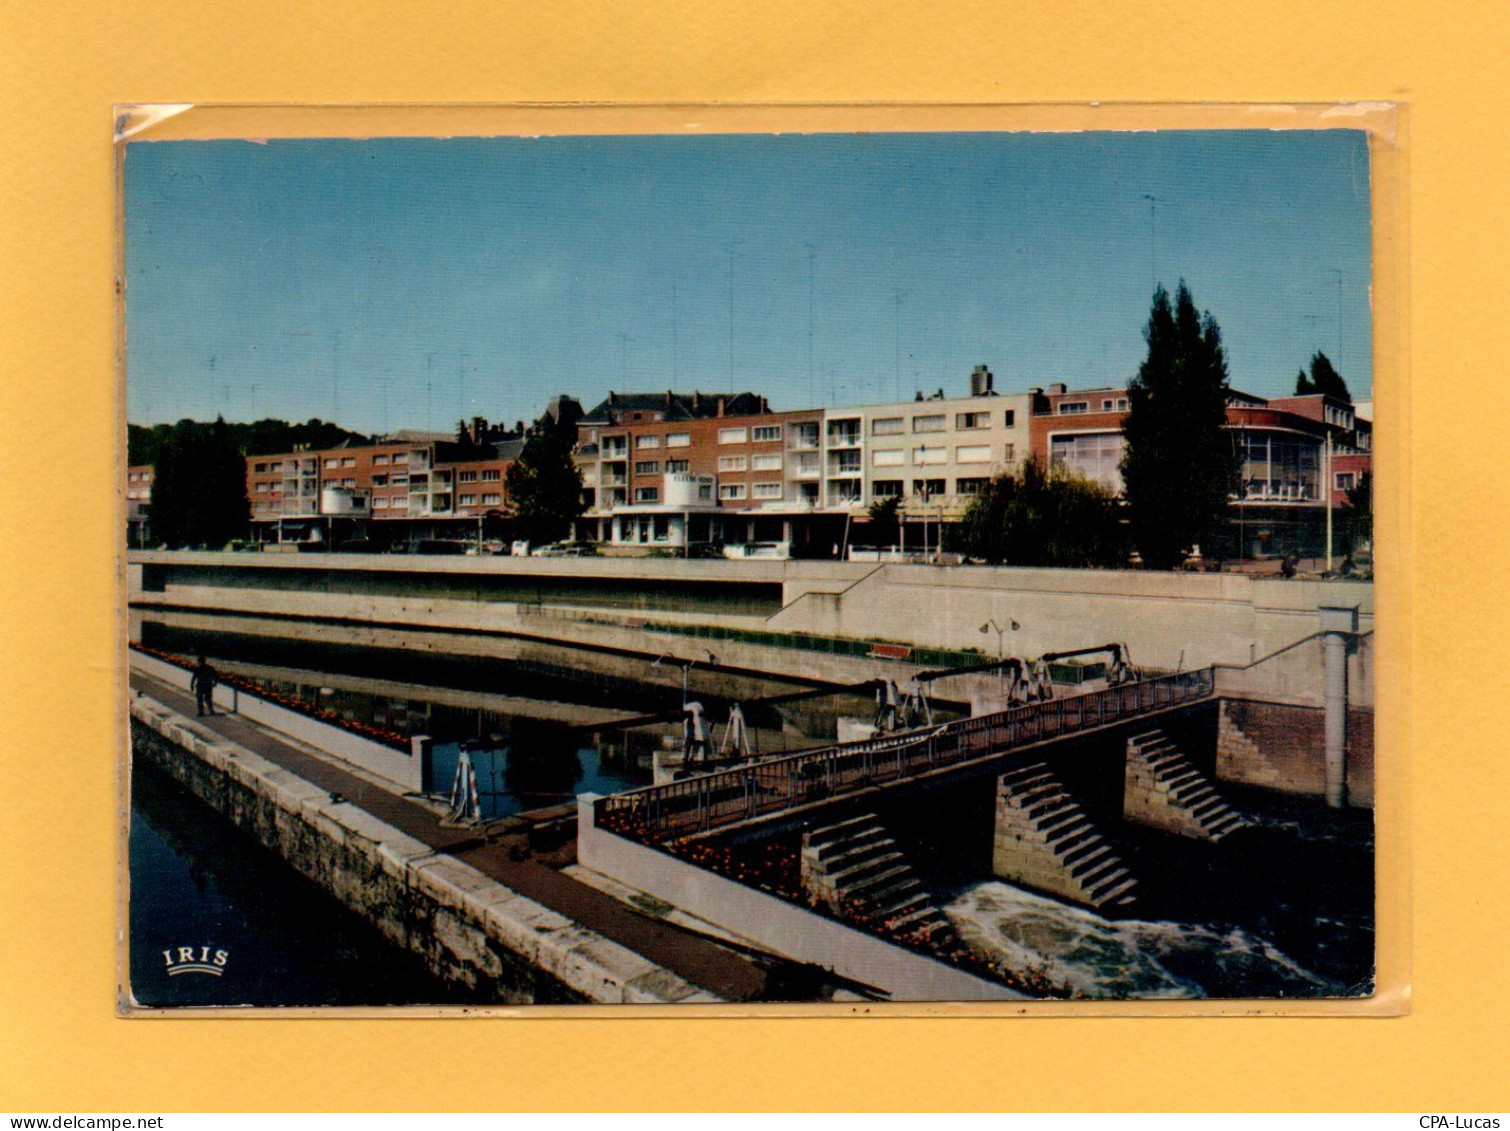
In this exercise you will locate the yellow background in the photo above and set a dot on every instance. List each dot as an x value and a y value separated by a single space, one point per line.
63 66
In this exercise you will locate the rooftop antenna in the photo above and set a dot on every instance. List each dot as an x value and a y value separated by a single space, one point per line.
429 387
729 247
1338 272
897 295
624 340
673 335
812 275
1153 236
335 376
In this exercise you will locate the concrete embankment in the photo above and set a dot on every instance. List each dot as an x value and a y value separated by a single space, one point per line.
1167 620
468 927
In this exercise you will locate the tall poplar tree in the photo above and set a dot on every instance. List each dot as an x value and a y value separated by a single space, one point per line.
199 487
544 486
1179 466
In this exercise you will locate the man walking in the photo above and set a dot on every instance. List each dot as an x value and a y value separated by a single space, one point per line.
202 683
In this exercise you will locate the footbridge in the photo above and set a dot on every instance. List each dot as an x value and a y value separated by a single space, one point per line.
834 774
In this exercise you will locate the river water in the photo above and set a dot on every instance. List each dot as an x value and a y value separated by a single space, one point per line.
1283 910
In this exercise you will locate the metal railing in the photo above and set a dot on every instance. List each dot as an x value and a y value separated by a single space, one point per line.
658 812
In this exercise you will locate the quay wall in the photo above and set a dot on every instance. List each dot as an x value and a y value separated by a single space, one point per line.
774 923
1167 620
467 928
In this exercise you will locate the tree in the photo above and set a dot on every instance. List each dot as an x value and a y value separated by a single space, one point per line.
885 525
199 487
1043 518
1326 380
1358 522
1179 466
1304 386
545 488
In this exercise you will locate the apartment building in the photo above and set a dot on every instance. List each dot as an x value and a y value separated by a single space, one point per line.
408 486
139 504
1296 455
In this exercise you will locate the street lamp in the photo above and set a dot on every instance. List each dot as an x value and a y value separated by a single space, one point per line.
1001 653
685 665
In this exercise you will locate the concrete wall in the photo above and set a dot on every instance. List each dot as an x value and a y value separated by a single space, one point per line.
1283 746
403 768
467 928
774 923
1168 620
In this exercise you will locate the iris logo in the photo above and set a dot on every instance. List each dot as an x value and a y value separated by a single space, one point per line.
196 960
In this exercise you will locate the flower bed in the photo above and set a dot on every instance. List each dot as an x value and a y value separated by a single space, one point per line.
287 702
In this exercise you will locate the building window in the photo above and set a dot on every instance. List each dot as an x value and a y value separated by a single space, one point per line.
966 420
886 426
400 500
466 477
764 433
380 481
647 441
380 503
348 483
971 486
888 457
358 504
731 491
258 467
975 453
768 490
768 462
732 463
673 465
928 423
1346 480
1009 452
886 489
348 461
928 488
1095 455
491 474
1073 408
492 499
380 461
466 500
1011 417
260 487
679 440
705 492
733 435
401 457
400 481
647 494
922 457
647 467
1121 404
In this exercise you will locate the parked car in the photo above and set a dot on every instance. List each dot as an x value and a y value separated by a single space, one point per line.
565 550
439 546
359 546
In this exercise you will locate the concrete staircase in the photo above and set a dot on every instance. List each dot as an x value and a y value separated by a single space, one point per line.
1164 789
1045 840
856 870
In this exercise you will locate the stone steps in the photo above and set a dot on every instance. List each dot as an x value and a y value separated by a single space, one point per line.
1055 848
1166 790
857 870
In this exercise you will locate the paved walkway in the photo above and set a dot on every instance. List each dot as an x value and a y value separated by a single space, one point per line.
730 975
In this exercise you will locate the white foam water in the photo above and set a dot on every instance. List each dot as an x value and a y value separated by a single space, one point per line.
1124 958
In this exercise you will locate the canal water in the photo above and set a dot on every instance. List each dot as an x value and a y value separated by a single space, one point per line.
199 882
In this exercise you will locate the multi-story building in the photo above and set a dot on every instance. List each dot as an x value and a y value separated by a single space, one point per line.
799 478
1286 447
139 504
406 487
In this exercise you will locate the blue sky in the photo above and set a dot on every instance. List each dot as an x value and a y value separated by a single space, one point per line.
394 283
